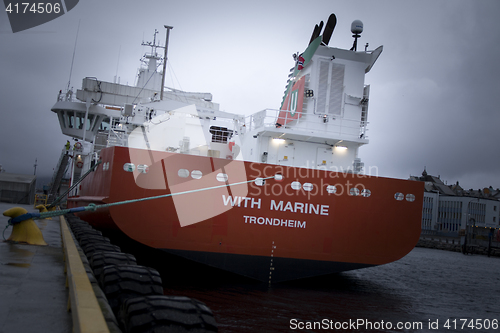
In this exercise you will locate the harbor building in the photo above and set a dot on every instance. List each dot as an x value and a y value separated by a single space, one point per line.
449 208
17 188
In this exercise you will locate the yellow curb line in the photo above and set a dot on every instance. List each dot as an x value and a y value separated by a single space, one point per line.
85 310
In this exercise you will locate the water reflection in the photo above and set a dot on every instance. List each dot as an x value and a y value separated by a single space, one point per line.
243 307
15 264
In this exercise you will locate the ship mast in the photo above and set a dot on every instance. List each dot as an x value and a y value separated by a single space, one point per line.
165 61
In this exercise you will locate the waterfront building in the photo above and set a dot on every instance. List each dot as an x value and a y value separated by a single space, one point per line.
449 208
17 188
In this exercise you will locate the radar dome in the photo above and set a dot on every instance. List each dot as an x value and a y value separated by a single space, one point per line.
356 27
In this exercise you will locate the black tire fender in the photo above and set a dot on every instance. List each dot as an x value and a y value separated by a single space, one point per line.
121 282
166 314
99 260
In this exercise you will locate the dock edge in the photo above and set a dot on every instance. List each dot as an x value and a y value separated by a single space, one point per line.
85 310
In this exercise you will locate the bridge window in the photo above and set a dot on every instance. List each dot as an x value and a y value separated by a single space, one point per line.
220 134
104 125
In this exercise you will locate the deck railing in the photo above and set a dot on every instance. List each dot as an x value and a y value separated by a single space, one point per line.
117 138
320 125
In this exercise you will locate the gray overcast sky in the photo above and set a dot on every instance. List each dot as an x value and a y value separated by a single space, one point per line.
434 89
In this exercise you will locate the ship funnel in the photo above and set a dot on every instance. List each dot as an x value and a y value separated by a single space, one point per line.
330 26
316 32
327 33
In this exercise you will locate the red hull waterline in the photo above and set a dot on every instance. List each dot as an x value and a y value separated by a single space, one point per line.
311 222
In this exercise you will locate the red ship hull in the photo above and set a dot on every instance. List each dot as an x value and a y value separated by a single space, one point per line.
273 232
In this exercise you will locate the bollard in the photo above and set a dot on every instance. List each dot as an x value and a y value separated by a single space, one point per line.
26 231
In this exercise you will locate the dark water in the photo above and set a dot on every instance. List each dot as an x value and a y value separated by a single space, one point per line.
427 291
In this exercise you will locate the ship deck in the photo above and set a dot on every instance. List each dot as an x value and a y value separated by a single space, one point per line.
33 292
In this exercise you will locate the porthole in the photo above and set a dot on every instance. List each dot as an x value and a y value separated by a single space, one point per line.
222 177
410 197
399 196
260 181
354 191
129 167
278 177
331 189
296 185
307 187
196 174
183 173
366 193
142 168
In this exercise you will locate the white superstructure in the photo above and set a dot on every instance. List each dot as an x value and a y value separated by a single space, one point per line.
320 125
333 122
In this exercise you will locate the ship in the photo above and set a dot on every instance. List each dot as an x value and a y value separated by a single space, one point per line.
275 196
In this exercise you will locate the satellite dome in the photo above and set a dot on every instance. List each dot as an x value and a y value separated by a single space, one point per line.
356 27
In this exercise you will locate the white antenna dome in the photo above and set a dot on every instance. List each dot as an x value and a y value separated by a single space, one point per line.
356 27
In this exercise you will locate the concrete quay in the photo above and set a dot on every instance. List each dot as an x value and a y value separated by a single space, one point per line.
33 293
453 244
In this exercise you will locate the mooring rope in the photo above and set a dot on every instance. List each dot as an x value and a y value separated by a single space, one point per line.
3 233
93 207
